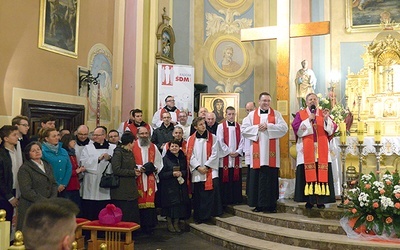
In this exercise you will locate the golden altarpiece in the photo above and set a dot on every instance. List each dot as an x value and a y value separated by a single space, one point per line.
373 96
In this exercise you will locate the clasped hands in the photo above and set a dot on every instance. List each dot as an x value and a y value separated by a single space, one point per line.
177 173
262 126
202 169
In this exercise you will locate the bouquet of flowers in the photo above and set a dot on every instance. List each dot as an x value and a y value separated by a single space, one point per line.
376 204
338 112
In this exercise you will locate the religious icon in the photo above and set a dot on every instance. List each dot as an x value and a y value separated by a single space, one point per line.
218 109
217 103
227 63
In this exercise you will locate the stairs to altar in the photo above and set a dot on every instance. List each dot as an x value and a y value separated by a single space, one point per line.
293 227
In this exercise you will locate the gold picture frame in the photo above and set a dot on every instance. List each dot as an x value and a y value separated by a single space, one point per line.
210 101
371 16
228 46
58 26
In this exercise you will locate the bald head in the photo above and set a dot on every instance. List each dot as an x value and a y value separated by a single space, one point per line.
250 106
210 118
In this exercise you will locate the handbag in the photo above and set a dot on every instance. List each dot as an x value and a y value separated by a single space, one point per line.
109 180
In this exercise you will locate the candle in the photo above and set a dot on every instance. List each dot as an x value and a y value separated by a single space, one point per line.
378 132
360 132
342 129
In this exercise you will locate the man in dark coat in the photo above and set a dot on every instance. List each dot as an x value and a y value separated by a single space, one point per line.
163 134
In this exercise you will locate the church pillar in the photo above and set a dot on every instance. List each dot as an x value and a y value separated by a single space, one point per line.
118 57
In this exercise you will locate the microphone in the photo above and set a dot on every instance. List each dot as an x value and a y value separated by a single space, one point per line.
313 110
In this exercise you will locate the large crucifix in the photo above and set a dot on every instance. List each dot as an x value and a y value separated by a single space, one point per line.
282 33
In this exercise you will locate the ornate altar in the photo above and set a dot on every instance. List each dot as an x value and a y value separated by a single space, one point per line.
373 94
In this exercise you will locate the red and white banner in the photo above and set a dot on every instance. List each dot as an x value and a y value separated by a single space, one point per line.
177 81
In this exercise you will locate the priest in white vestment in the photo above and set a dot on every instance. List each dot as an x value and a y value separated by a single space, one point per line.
96 157
263 127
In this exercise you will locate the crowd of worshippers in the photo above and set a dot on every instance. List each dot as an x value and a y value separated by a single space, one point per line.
184 169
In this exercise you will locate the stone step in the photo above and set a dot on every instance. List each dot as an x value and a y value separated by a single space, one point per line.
289 220
331 210
233 240
295 237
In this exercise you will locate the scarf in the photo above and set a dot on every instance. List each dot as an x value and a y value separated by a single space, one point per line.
133 127
225 170
272 142
310 167
146 183
53 148
192 139
168 109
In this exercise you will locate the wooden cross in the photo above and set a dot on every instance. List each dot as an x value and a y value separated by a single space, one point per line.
282 32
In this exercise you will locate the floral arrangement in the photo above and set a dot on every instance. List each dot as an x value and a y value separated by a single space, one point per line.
338 112
376 204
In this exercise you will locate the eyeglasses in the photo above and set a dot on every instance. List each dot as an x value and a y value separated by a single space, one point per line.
97 134
167 117
83 134
25 125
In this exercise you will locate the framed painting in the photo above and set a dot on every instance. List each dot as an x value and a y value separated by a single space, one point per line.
166 40
371 16
58 26
217 103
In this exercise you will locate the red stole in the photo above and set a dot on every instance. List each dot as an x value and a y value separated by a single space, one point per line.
190 146
146 199
309 150
272 142
225 171
133 128
163 110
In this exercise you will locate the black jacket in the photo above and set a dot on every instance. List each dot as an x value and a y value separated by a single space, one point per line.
173 193
6 175
162 135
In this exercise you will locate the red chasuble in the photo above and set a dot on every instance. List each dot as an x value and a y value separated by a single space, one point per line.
146 199
272 142
309 151
190 147
225 171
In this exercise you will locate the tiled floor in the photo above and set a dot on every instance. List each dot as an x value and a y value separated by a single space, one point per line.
164 240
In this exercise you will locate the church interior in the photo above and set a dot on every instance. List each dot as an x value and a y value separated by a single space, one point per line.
104 63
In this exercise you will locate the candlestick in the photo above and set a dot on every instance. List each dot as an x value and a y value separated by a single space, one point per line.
360 132
342 129
378 133
344 178
360 147
378 160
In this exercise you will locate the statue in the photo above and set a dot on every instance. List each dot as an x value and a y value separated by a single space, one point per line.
305 80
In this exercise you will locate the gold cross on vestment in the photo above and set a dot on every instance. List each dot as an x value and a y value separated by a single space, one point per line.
282 33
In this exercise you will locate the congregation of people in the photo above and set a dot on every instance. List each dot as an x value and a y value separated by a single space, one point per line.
184 169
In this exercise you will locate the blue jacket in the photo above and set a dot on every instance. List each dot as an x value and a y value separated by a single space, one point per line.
62 168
